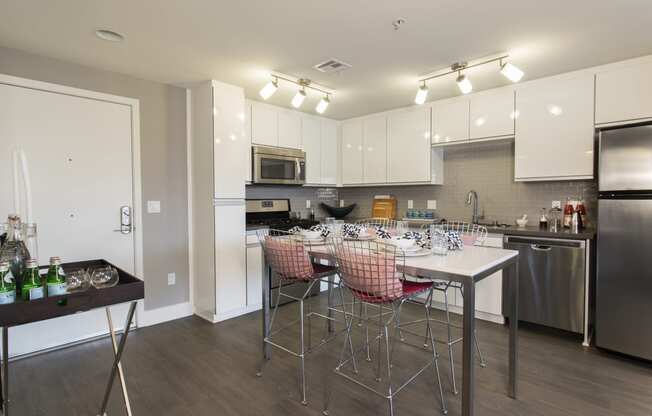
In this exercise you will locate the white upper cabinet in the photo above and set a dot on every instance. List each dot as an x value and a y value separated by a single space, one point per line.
375 149
492 114
624 94
352 152
328 152
289 129
264 124
230 148
247 124
450 120
409 145
311 135
554 129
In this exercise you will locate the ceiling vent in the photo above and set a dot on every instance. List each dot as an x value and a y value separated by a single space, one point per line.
332 65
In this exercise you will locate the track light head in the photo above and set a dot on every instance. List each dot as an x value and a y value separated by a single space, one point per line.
422 94
299 97
269 89
511 72
464 84
323 104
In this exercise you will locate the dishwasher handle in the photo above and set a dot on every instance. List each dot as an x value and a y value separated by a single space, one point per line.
540 247
541 243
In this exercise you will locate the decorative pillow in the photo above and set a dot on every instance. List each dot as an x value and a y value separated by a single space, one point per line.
288 258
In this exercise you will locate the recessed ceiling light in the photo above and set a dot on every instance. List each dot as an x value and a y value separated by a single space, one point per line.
109 35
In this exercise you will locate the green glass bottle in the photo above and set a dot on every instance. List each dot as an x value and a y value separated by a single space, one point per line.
32 286
7 285
56 278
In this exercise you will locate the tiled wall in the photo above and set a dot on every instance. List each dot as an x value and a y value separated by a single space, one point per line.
487 168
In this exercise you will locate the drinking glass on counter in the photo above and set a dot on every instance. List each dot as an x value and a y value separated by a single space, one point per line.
103 277
78 281
438 241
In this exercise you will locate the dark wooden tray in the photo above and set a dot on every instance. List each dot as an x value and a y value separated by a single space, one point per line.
129 288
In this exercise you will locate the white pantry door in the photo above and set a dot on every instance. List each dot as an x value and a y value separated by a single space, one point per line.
79 152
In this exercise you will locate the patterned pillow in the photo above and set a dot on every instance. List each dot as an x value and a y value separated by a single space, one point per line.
288 258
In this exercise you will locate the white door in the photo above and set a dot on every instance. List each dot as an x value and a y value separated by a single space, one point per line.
375 149
79 152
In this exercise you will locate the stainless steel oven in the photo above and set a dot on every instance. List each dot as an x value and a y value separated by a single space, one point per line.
279 166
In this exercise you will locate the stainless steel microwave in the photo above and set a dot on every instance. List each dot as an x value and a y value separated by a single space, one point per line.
274 165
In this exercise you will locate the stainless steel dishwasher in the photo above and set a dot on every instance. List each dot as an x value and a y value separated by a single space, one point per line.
551 281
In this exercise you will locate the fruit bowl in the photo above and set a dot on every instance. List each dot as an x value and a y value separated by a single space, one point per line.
338 212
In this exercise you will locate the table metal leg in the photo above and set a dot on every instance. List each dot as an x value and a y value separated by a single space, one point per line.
266 312
331 282
121 374
513 330
468 359
5 371
116 360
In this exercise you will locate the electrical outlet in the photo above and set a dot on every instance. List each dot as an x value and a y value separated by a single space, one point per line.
432 204
172 279
341 203
410 204
556 204
308 203
153 207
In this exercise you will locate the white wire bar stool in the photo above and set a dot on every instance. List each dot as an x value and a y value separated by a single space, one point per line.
288 256
368 271
471 234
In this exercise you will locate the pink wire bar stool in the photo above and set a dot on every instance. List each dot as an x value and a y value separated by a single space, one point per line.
368 270
471 234
288 256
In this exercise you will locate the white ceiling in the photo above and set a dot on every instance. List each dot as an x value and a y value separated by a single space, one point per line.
240 42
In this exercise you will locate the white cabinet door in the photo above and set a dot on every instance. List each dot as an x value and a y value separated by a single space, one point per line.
311 135
554 129
624 94
230 258
254 275
289 129
247 123
492 114
328 152
264 124
375 149
409 145
230 148
352 152
450 120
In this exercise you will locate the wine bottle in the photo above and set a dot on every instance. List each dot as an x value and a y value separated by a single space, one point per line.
56 278
7 285
32 287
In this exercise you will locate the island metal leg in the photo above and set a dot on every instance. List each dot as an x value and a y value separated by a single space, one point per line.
5 371
331 283
121 374
116 360
513 329
468 351
266 313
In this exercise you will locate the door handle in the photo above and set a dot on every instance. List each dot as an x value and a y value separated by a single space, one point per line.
538 247
125 220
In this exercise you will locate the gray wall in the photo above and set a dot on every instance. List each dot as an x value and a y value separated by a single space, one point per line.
163 158
297 195
488 168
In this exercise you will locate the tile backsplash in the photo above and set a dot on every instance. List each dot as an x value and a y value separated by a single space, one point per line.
487 168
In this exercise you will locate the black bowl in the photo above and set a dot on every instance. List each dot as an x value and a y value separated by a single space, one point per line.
338 212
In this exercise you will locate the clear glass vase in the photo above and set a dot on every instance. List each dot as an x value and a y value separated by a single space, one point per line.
14 251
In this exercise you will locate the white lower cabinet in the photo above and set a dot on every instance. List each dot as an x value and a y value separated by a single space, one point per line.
255 265
554 129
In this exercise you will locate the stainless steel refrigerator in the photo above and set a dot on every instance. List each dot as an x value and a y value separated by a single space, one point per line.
624 258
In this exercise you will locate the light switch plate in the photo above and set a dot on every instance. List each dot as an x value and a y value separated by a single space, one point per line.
432 204
153 207
410 204
172 279
308 203
556 204
341 203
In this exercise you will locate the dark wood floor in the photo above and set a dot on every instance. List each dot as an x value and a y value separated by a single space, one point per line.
190 367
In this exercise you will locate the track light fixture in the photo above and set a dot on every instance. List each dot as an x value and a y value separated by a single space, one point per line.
304 84
507 69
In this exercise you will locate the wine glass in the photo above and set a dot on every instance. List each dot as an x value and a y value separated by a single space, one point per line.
78 281
104 277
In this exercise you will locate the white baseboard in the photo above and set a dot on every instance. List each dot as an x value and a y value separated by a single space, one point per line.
164 314
233 313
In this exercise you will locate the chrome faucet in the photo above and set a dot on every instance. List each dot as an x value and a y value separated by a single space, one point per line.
472 198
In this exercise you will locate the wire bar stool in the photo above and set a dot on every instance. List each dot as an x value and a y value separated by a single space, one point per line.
288 256
386 223
368 271
471 234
